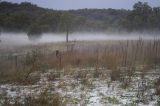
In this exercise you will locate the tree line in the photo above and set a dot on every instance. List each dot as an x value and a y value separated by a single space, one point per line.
36 20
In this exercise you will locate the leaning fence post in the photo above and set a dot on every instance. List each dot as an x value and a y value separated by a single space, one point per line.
16 61
59 57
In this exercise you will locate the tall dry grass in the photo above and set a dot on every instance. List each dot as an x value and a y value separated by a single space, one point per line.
123 58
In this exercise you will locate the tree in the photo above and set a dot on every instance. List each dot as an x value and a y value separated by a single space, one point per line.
66 24
140 17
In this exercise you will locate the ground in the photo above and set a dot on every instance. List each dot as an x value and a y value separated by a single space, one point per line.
89 91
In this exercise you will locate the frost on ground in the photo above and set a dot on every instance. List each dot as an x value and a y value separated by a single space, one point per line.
88 91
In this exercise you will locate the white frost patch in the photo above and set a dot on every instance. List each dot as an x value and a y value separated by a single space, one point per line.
99 93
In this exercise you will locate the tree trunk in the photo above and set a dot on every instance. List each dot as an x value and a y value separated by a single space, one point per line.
67 35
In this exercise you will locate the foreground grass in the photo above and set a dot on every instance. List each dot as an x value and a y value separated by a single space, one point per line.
120 61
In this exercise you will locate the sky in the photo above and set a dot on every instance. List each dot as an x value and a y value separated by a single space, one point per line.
79 4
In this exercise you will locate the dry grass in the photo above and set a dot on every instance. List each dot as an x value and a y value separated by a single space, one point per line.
122 57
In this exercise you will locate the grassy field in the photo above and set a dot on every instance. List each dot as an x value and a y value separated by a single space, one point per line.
100 73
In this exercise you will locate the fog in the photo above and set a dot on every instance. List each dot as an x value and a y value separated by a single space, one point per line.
21 39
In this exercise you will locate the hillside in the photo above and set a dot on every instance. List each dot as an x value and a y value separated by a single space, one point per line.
33 19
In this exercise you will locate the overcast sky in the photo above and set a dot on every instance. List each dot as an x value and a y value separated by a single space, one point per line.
79 4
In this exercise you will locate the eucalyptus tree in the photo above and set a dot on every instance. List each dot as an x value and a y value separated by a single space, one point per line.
66 24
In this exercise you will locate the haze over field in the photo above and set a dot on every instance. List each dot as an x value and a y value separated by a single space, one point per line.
22 39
